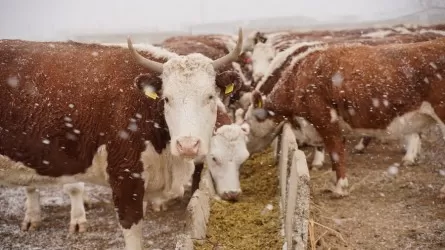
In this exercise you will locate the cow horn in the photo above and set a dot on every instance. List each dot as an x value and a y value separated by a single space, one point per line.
147 63
233 55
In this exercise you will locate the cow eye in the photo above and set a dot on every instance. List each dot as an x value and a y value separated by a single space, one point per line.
166 99
211 97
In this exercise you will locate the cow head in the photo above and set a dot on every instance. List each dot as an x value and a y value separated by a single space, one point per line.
264 124
228 151
189 92
253 38
262 56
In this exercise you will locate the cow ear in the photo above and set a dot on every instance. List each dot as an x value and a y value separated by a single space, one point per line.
229 82
257 99
150 85
245 128
260 37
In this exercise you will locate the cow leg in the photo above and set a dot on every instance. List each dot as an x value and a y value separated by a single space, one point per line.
362 145
413 147
336 148
318 160
33 215
128 195
78 221
196 178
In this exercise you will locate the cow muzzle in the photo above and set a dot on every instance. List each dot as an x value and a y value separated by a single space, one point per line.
188 146
231 195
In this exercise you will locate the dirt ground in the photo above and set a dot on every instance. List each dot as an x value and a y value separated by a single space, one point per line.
383 212
160 229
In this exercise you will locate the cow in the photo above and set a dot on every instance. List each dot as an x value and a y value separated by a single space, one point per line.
264 51
66 104
305 133
405 79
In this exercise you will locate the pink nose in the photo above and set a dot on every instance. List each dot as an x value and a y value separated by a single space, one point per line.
188 146
231 195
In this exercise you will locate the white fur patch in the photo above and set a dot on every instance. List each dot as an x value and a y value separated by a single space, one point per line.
438 32
133 237
155 51
378 34
188 82
164 175
280 58
228 150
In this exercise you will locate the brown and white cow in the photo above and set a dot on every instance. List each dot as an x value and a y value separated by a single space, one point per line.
405 79
305 133
131 127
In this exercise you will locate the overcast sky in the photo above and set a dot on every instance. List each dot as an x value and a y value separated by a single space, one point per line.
54 19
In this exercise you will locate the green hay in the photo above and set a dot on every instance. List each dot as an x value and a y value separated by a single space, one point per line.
246 224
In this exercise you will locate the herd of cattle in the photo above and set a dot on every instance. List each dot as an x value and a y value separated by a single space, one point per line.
143 119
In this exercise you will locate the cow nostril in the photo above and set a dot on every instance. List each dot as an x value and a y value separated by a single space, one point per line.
178 144
197 143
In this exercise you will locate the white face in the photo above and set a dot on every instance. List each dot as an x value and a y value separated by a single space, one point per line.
228 151
190 96
260 136
262 55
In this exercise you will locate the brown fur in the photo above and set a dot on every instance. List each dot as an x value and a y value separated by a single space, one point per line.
397 71
276 75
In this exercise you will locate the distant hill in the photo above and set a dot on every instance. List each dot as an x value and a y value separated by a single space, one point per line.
301 23
266 24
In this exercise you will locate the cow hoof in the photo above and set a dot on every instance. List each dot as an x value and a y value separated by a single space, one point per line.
80 227
316 166
30 225
408 163
341 188
159 207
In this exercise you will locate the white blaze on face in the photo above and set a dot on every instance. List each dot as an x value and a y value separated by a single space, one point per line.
262 56
190 105
228 151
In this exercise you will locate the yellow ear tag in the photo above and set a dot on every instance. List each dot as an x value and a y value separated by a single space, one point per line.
151 94
229 88
260 103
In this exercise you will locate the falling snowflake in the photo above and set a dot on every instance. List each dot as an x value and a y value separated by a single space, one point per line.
335 157
13 82
334 116
123 134
433 65
393 170
71 105
375 102
45 141
133 127
337 79
71 137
